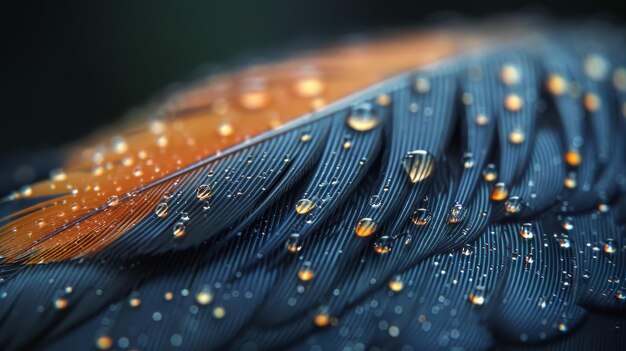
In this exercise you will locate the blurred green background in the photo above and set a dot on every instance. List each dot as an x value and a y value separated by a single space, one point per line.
69 67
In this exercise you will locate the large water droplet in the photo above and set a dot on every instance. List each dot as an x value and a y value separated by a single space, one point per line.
527 231
304 206
513 205
499 192
362 119
457 213
294 243
365 227
203 192
419 165
421 216
383 245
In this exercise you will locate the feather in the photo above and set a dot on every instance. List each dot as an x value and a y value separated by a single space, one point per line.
356 197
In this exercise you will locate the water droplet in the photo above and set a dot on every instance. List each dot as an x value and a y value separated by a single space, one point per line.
60 303
396 284
204 296
517 136
457 213
162 210
570 181
203 192
513 205
490 173
556 84
477 297
113 200
162 141
468 160
510 75
254 99
567 224
419 165
321 319
499 192
294 244
562 327
421 216
134 302
513 102
362 119
58 175
467 250
603 208
309 87
219 312
225 129
527 231
383 245
610 247
422 85
591 102
365 227
383 100
305 137
347 143
306 274
564 242
179 230
572 158
375 201
304 206
596 67
481 120
119 145
104 342
620 295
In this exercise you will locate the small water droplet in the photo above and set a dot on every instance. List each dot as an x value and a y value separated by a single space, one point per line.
457 213
306 274
510 75
60 303
481 119
422 85
620 295
375 201
162 210
104 342
203 192
294 243
179 230
556 84
396 284
499 192
204 296
517 136
304 206
490 173
468 160
477 296
513 102
573 158
610 246
219 312
365 227
421 216
305 137
383 100
254 99
527 231
591 102
564 242
225 129
322 318
58 175
513 205
309 87
562 327
113 200
419 165
383 245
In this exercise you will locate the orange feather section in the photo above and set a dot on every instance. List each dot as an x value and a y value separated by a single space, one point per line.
108 187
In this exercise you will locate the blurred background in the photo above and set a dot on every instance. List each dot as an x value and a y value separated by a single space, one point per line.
69 67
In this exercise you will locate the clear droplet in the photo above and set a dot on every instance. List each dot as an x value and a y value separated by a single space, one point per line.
457 213
179 230
375 201
421 216
490 173
419 165
477 296
304 206
383 245
294 243
527 231
513 205
365 227
162 210
113 200
610 246
203 192
362 119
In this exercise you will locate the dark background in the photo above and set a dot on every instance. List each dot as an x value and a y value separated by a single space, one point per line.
70 67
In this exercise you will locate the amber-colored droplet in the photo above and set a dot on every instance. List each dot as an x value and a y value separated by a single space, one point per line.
219 312
499 192
225 129
396 284
294 243
179 230
419 165
254 100
362 118
309 87
134 302
592 102
572 158
510 75
365 227
477 297
321 319
104 342
383 245
383 100
168 296
517 136
490 173
60 303
304 206
481 119
204 297
556 84
513 102
306 274
569 182
457 213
